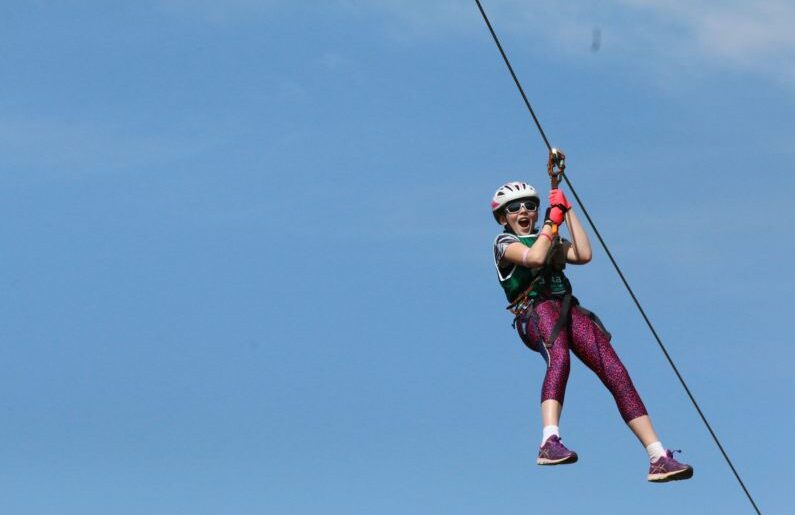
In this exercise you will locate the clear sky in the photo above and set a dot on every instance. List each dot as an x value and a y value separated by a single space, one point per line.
247 262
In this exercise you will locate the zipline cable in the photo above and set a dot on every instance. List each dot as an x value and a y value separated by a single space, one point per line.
515 79
615 264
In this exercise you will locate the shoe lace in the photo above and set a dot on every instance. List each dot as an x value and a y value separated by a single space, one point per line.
671 453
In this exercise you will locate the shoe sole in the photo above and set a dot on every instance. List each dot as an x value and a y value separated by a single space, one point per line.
562 461
676 475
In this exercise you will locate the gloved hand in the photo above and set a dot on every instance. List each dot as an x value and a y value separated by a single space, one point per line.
555 215
557 198
558 205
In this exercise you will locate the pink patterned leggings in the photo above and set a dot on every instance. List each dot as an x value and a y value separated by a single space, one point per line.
590 342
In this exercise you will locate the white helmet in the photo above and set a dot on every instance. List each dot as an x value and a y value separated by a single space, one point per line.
509 192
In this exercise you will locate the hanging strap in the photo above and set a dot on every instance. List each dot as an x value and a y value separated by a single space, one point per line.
563 320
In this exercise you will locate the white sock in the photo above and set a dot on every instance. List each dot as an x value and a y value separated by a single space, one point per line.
549 431
656 451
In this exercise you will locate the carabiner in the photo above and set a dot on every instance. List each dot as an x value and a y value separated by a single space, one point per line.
556 166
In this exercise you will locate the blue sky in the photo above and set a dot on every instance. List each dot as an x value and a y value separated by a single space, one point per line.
247 261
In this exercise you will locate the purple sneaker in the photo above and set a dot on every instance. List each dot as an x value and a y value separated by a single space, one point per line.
553 452
667 469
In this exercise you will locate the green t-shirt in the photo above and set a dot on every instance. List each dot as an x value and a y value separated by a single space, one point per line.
515 279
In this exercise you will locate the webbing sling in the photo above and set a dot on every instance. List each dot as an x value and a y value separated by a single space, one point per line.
563 319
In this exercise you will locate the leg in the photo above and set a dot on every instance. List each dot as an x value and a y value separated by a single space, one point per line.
550 412
592 346
537 329
643 429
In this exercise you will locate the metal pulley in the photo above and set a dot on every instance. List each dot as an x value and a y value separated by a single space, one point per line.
556 166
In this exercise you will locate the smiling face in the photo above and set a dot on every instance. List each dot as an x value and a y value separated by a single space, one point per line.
519 218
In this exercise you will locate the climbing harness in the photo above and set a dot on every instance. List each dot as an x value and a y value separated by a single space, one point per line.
529 315
525 304
555 167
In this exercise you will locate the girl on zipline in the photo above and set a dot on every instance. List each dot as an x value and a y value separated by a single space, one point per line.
550 320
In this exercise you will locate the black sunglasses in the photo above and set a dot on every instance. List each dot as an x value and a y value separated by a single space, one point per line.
516 205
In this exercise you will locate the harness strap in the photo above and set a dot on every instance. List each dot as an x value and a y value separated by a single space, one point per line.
529 314
563 320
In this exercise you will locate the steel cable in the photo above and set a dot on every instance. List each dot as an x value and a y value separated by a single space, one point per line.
615 264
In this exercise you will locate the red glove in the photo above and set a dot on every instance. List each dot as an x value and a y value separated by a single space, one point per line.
555 215
557 198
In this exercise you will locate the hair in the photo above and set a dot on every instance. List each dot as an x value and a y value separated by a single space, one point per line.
506 226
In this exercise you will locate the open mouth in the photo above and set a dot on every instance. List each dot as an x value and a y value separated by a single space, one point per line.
524 222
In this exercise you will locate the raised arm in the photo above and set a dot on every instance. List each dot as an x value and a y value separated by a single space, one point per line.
578 252
530 257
